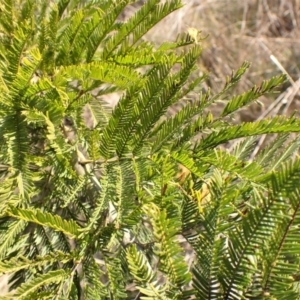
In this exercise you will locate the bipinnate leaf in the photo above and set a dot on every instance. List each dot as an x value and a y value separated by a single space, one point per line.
27 289
45 219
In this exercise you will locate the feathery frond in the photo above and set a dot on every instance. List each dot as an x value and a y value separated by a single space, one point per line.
132 201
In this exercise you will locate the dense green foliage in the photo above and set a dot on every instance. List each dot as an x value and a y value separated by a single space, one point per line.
93 202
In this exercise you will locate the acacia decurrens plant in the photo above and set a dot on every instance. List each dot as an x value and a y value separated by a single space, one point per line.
92 206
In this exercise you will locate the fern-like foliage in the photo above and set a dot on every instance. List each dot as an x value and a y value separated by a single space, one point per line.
129 202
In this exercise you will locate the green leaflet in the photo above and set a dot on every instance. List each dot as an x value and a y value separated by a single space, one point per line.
27 290
45 219
19 263
278 124
242 100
